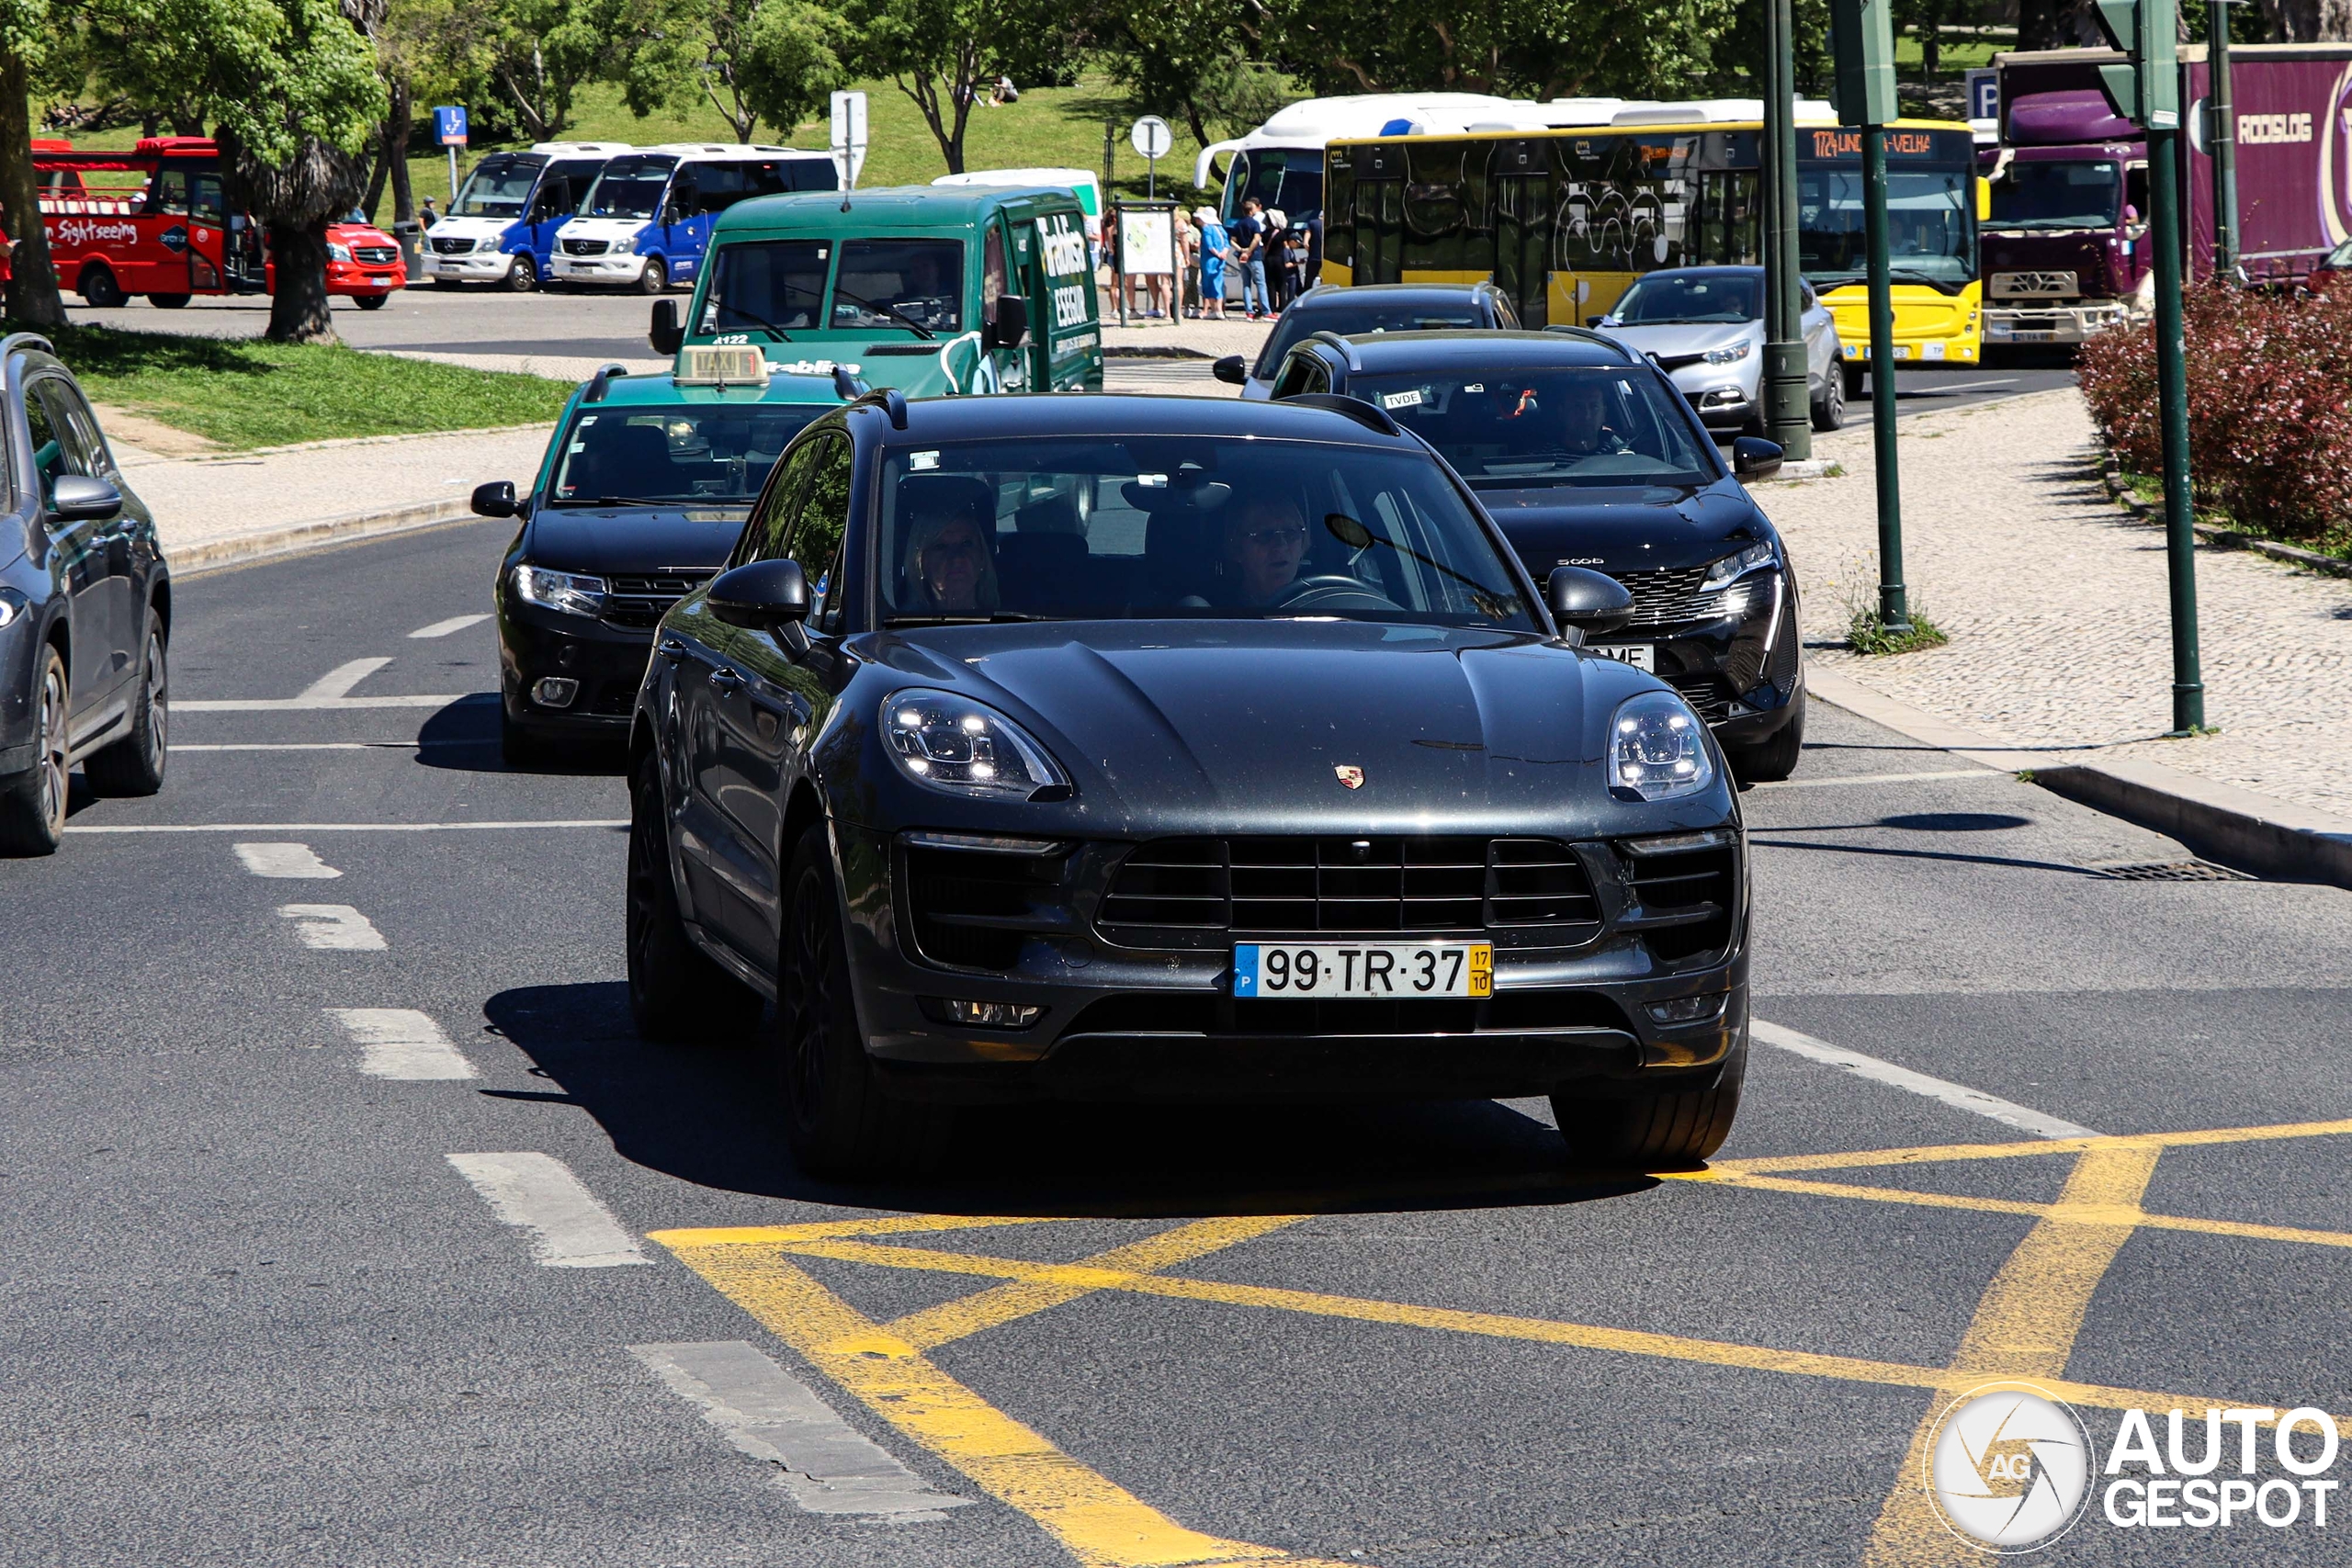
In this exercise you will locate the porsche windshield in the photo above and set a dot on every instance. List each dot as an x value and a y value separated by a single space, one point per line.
710 455
1515 429
1192 526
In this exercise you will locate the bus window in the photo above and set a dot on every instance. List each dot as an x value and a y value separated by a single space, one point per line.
1728 221
168 196
498 187
1288 178
206 204
994 278
1931 231
631 187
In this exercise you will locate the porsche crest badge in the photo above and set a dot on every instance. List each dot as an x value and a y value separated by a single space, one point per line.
1353 778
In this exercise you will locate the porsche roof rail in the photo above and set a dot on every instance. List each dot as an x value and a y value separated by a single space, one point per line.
1362 412
1347 349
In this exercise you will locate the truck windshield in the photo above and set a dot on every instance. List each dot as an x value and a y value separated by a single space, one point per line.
1523 429
630 187
773 285
1930 221
497 188
2058 196
916 283
697 456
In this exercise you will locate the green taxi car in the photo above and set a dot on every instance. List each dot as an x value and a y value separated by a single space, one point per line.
935 291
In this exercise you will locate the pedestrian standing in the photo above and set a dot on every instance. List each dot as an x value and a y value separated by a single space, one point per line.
1248 233
1276 249
1188 246
427 216
1215 249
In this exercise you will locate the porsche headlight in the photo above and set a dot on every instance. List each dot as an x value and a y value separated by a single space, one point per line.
1731 568
1732 353
951 743
336 251
1658 748
567 591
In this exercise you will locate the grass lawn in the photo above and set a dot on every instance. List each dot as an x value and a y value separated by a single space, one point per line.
243 393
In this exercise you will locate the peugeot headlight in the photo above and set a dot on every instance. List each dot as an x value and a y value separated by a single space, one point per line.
1658 748
567 591
951 743
1732 354
1731 568
337 251
624 246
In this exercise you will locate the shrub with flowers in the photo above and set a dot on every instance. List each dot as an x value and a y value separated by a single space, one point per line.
2269 408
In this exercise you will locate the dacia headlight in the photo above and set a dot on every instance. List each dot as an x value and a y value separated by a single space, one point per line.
1658 748
1732 354
1731 568
337 251
563 590
953 744
624 246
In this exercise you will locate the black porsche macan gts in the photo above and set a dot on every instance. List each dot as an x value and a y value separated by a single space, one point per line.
1096 748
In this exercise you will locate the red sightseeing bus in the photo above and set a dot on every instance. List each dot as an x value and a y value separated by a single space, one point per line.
155 220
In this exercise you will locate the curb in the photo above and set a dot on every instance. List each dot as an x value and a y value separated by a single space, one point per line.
2273 839
1153 351
2219 537
214 555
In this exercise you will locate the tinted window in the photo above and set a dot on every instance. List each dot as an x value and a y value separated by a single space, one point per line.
706 456
776 285
1066 529
168 194
498 187
1664 297
2058 196
900 283
49 458
631 187
1509 430
1349 316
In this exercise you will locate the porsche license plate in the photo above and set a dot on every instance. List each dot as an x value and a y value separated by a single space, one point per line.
1268 971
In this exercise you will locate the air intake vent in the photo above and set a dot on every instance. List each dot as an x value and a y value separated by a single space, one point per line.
972 910
1686 892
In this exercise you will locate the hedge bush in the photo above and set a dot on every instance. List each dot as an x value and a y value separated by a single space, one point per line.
2269 408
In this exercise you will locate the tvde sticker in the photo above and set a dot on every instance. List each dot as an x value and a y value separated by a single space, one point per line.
1401 400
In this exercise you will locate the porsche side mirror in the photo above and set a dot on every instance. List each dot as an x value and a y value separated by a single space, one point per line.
1587 603
1753 458
1232 370
1011 328
495 499
83 498
760 595
666 335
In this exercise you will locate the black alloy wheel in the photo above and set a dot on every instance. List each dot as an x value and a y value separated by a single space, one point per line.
1829 409
33 802
839 1117
675 992
1663 1130
134 764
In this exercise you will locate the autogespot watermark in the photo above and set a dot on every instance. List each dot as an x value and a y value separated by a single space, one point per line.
2011 1468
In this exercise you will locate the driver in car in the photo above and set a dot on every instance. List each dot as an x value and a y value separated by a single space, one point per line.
1265 540
1579 418
950 568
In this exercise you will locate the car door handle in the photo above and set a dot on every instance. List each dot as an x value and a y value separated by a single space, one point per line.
671 649
727 677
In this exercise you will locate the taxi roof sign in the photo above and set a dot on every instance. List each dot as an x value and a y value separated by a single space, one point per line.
721 364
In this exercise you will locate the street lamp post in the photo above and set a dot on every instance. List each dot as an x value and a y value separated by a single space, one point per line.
1862 37
2222 140
1785 414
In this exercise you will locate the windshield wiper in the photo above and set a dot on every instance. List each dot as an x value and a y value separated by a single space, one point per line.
999 617
756 319
892 310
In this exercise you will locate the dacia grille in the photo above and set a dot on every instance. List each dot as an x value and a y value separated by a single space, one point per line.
586 247
1182 888
1671 596
641 600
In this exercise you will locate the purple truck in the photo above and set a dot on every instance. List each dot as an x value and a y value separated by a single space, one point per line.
2066 251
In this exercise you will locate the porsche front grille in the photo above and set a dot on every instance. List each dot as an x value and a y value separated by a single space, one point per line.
1184 888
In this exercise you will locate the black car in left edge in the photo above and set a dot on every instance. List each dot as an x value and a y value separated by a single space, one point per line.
641 494
1094 748
86 610
1586 456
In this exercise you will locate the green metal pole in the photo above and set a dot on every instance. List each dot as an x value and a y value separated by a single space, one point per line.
1893 599
2172 392
1786 417
2222 140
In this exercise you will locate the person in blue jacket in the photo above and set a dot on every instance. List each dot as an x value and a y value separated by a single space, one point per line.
1216 247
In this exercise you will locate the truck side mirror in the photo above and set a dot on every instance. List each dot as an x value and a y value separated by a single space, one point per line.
1011 328
666 335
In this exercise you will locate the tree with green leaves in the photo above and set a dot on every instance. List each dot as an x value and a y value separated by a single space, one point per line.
28 33
1542 48
945 54
753 61
535 54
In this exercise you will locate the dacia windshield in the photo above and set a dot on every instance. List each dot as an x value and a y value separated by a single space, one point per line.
702 455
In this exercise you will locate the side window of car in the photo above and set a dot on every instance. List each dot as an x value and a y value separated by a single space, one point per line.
1299 374
763 536
85 448
995 280
815 534
49 451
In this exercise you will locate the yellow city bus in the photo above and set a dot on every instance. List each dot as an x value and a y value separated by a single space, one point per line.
1563 220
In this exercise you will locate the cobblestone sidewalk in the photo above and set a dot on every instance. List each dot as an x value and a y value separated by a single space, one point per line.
2054 599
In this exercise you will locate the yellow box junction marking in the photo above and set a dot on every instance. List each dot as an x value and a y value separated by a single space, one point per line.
2024 1327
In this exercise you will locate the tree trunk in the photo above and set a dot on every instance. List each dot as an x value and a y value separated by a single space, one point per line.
32 277
298 306
396 152
1932 41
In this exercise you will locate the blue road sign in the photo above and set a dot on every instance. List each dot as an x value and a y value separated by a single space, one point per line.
1984 94
450 125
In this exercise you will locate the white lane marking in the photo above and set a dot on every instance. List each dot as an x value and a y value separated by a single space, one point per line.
337 682
336 827
454 624
337 926
299 861
1870 778
829 1466
289 704
539 1193
1958 1096
402 1042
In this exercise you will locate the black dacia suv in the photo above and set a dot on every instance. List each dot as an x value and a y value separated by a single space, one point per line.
86 610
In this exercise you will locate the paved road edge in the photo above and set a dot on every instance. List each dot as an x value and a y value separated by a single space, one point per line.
213 555
2219 821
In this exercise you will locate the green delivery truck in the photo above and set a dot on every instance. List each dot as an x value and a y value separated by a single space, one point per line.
933 290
